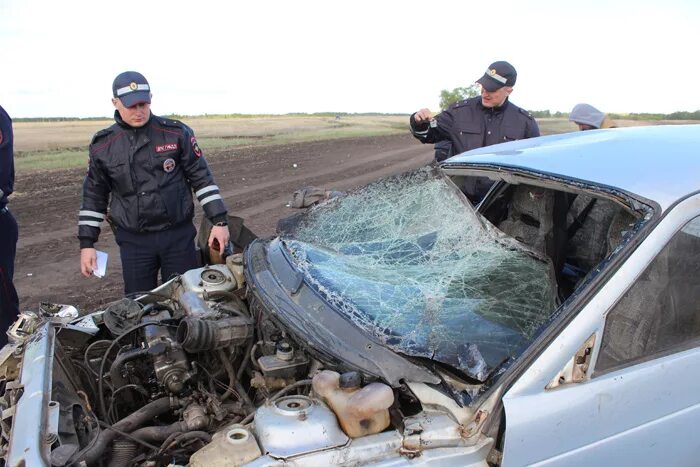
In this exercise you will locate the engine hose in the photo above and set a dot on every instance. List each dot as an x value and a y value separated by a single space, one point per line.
151 434
122 452
100 383
244 396
126 424
231 375
236 384
115 370
201 435
244 360
213 295
198 335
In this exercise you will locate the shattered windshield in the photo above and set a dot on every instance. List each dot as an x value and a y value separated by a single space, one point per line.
408 260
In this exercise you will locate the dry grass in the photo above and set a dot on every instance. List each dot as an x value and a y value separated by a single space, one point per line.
55 145
58 145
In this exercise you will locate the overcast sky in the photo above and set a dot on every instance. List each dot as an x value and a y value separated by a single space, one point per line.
58 58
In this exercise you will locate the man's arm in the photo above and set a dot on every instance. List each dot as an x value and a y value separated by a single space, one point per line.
93 210
533 129
7 165
427 128
205 189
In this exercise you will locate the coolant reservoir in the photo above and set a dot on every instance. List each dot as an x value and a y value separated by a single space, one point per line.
232 446
235 265
361 411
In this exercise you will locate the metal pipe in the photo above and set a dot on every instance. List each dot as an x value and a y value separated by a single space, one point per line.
127 424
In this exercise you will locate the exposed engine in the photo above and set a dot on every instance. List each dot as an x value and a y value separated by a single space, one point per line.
193 373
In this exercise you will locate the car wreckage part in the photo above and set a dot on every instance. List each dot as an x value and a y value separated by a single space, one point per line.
183 374
361 411
196 335
234 445
295 425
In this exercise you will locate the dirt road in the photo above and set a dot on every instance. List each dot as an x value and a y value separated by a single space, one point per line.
256 183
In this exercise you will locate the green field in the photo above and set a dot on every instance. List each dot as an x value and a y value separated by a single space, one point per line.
62 145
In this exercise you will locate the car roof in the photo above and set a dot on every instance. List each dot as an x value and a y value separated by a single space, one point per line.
660 163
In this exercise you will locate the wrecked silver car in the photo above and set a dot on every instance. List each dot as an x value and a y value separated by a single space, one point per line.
396 324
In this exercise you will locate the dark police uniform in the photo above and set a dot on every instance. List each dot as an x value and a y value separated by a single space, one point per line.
468 125
9 303
150 172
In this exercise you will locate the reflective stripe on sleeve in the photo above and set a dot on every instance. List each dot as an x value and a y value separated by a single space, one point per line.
90 223
209 199
94 214
205 190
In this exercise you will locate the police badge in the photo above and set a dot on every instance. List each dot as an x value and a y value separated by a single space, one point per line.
169 165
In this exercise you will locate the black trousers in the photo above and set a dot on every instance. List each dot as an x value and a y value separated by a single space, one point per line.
9 303
143 254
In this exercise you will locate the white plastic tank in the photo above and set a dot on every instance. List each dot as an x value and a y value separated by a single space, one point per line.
361 411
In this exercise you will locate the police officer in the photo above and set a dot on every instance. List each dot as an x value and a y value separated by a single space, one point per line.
9 303
146 167
477 122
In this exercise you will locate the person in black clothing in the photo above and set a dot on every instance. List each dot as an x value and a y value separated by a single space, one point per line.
145 168
476 122
9 303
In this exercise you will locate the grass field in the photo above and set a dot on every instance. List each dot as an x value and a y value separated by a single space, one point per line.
62 145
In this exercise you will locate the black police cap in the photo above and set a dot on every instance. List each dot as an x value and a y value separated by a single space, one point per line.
131 88
498 74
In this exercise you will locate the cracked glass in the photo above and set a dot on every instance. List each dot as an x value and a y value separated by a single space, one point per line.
408 260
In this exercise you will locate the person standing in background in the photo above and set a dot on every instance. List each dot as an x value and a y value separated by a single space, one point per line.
9 233
588 117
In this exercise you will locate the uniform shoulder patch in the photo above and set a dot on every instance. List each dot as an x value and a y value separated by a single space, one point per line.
470 101
101 134
195 147
526 113
171 123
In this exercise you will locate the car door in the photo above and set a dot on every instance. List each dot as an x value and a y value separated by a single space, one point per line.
620 385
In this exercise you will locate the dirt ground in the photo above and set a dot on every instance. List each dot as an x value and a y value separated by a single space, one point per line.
256 183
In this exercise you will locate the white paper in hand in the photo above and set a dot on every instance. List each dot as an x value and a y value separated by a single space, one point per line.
101 264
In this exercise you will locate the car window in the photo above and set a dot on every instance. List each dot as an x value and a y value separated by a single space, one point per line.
661 311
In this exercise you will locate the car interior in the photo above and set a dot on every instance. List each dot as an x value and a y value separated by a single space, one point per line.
575 230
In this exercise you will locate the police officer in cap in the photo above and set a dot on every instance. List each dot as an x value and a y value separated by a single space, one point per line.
9 303
479 121
145 168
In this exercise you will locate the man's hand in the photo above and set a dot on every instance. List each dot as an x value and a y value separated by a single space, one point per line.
221 235
88 261
423 116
